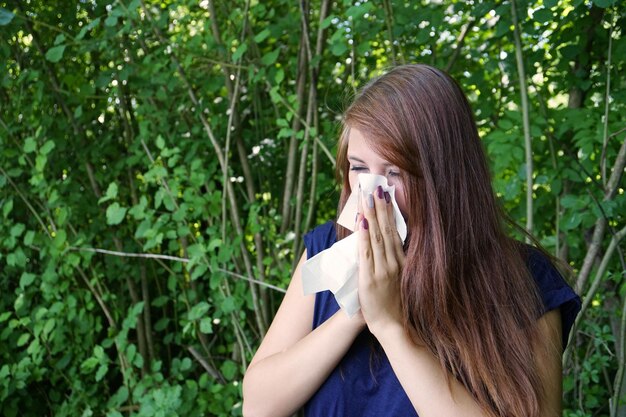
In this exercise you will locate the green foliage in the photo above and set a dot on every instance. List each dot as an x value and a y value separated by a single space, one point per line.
155 157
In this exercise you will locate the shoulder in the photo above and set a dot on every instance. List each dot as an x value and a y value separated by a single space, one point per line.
553 289
320 238
552 286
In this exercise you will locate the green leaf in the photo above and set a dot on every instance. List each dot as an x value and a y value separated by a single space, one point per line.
17 229
160 143
228 305
119 397
326 22
198 271
110 21
47 328
60 238
55 53
338 48
604 3
88 364
262 35
161 324
214 244
206 325
571 201
87 28
40 162
240 51
6 209
569 51
4 317
572 221
26 279
198 310
543 15
275 95
47 147
59 39
280 76
160 301
137 308
115 214
23 339
30 145
229 369
270 57
5 16
111 193
102 370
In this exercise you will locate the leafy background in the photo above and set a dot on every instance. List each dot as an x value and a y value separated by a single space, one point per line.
160 161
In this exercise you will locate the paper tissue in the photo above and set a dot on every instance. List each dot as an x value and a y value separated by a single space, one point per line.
336 268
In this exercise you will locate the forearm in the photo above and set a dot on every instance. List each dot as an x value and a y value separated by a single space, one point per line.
280 384
423 379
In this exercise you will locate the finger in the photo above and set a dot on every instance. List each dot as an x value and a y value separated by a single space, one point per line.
398 246
359 210
387 224
366 260
376 238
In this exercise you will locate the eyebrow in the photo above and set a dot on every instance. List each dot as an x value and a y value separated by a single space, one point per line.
357 159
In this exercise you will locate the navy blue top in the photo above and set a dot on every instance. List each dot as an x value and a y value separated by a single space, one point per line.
364 384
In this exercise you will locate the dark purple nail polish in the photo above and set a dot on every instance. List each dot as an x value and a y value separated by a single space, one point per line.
365 224
379 192
387 197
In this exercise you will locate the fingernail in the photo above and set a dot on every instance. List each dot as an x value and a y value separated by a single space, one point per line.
387 197
365 224
370 201
379 191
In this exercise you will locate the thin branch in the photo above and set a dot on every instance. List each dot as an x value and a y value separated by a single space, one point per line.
25 200
601 223
234 125
216 146
605 135
311 114
222 63
44 24
459 44
389 22
301 76
621 364
99 299
316 137
176 259
210 370
525 118
324 11
588 298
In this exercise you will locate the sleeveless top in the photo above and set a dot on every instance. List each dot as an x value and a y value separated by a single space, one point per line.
364 384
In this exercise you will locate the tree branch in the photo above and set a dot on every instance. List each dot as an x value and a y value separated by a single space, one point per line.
177 259
525 118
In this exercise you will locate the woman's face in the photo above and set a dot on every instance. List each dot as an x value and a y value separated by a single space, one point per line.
364 160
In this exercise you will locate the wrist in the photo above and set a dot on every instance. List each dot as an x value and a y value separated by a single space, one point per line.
352 324
389 330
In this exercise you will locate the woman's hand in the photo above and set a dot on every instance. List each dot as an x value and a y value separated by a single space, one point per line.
381 258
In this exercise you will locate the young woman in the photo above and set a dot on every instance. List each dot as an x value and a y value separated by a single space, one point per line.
461 320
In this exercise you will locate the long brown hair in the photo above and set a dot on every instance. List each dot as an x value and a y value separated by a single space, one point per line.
466 291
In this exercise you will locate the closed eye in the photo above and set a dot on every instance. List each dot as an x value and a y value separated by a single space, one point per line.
358 168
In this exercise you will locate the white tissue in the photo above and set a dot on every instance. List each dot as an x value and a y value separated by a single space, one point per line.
336 268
